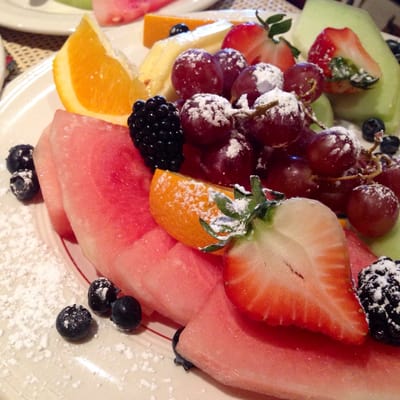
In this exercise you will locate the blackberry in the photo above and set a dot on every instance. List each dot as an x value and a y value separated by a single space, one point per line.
178 28
370 127
390 144
156 131
74 322
20 157
126 313
379 293
24 184
101 294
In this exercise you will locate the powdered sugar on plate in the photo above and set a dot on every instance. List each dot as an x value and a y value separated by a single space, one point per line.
35 362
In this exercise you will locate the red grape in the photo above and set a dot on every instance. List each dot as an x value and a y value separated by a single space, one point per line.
390 177
255 80
372 209
232 63
206 118
305 79
291 176
196 71
335 193
332 151
279 124
229 162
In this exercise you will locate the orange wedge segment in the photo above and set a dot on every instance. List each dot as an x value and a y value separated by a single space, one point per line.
178 201
92 78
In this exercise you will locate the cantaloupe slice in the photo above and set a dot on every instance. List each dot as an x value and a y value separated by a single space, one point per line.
157 26
383 100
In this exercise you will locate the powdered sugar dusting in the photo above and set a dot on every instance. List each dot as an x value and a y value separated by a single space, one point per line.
35 361
267 77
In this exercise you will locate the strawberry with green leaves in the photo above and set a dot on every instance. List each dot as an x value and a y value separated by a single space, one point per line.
347 66
259 42
286 262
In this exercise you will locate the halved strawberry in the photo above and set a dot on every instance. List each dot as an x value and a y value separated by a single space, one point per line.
257 41
287 263
347 66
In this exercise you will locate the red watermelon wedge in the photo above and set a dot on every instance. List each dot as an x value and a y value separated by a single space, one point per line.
104 188
50 187
104 183
115 12
182 282
287 363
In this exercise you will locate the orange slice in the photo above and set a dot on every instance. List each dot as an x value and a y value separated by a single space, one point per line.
157 26
178 201
92 78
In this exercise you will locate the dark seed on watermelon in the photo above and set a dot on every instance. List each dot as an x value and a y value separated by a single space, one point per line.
179 360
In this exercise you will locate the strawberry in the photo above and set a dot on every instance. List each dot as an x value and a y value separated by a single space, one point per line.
286 262
257 41
347 66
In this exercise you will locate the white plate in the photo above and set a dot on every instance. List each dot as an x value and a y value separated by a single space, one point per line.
40 274
2 64
51 17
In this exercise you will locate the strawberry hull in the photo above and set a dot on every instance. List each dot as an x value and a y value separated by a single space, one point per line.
287 363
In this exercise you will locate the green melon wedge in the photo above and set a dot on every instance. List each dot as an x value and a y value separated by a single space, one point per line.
383 100
84 4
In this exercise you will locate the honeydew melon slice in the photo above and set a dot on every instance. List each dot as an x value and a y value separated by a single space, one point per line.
85 4
383 100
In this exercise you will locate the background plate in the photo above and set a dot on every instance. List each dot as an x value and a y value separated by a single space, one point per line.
50 17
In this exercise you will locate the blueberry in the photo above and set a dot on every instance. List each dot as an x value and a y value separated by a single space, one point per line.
20 157
390 144
101 294
24 184
178 28
126 313
179 360
74 322
370 127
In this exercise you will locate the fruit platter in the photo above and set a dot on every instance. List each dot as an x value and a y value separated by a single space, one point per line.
148 250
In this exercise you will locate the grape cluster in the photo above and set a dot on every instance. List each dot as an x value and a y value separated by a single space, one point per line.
241 119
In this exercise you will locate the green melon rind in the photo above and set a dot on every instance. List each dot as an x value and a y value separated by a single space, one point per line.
323 111
387 245
84 4
383 100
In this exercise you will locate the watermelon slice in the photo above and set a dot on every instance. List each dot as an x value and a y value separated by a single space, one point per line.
116 12
189 275
287 363
104 183
131 266
104 187
360 254
51 191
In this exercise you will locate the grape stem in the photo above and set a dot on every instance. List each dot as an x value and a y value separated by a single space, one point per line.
375 159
